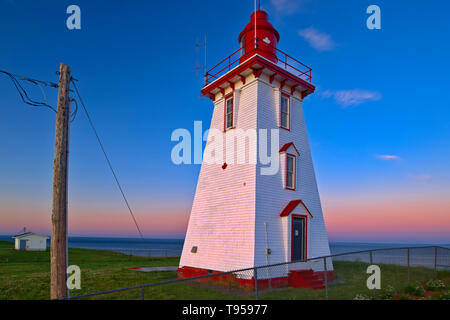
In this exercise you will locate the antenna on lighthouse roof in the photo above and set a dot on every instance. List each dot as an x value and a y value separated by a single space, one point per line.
256 45
202 44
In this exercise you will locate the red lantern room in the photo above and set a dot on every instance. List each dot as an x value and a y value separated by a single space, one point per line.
259 56
267 37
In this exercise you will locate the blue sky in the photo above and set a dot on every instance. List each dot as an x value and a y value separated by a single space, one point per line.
136 61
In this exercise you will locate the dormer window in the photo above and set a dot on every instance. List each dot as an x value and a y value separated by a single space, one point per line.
229 110
285 112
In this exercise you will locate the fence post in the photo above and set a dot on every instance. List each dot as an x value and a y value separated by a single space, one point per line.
255 273
435 261
408 263
371 262
142 293
326 276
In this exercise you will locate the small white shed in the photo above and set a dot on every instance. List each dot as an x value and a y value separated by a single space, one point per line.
30 241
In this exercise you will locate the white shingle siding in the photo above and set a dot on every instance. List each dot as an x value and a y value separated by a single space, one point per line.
271 197
227 218
222 222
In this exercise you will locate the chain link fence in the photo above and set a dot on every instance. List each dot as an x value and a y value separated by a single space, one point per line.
404 273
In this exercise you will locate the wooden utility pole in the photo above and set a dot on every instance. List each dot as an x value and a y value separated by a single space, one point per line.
58 248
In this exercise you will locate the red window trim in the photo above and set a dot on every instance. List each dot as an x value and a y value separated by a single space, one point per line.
295 172
226 98
306 234
288 128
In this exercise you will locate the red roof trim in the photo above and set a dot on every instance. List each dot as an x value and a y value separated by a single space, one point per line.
287 146
291 206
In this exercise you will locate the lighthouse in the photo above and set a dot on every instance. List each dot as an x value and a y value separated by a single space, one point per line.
263 208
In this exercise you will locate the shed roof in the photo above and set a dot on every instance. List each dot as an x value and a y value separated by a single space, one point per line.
21 235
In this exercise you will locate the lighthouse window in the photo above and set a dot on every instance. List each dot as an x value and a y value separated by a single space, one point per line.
242 45
290 171
285 121
229 113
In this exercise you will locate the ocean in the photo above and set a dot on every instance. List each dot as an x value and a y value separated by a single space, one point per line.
134 246
164 247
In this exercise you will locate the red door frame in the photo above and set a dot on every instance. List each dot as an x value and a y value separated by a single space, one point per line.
305 243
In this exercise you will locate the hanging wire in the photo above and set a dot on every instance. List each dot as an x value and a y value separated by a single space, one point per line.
26 99
45 83
106 157
75 112
24 94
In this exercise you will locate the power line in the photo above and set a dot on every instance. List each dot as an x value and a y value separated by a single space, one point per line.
45 83
107 159
26 99
24 94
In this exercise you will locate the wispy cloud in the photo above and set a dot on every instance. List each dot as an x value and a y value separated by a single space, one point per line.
421 177
286 7
317 39
348 98
387 157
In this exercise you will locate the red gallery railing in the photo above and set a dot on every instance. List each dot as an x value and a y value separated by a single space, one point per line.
284 61
223 66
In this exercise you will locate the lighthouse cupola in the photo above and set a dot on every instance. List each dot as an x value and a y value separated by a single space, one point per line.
267 37
258 55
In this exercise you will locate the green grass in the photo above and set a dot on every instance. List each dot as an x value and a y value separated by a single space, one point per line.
26 275
351 280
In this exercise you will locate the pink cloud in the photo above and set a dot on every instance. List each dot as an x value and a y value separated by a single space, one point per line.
421 177
387 157
402 216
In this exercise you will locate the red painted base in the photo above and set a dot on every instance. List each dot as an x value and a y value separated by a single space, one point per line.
296 279
309 279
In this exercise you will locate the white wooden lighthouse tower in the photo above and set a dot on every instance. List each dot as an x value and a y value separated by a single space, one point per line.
242 217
